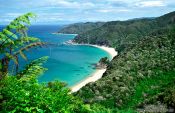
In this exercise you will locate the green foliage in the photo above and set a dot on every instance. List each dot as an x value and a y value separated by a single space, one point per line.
142 74
33 69
27 96
18 25
168 96
147 58
22 93
14 42
149 88
79 28
121 34
104 60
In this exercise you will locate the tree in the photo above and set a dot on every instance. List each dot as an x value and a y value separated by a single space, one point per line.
104 61
14 41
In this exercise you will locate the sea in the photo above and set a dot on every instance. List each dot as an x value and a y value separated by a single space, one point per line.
67 63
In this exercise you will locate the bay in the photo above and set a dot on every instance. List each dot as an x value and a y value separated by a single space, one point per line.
67 63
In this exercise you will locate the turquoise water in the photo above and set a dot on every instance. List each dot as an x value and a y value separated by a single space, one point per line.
71 64
67 63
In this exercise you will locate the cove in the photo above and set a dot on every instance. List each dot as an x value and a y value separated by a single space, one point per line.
66 63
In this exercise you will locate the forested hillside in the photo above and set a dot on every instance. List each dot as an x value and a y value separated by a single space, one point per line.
150 63
119 34
143 73
79 28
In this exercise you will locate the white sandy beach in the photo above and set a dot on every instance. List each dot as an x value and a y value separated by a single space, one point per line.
110 50
98 73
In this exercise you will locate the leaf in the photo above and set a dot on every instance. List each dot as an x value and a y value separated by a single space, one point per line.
29 46
23 55
10 41
31 15
12 58
25 19
12 26
2 36
33 68
9 33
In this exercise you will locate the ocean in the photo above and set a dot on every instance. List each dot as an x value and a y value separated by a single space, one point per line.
66 63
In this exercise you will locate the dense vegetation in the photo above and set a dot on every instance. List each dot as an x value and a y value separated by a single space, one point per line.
150 58
20 91
79 28
26 95
120 34
141 74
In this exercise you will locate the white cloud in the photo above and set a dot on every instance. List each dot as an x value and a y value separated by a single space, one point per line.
84 10
150 4
68 4
13 14
51 14
7 20
112 10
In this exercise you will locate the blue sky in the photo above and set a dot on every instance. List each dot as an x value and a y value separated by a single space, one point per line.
71 11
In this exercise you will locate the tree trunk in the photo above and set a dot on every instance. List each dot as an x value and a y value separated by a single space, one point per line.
4 69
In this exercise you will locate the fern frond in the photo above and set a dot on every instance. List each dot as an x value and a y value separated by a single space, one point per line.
14 41
9 34
32 45
3 37
22 41
33 69
11 57
23 55
18 25
20 21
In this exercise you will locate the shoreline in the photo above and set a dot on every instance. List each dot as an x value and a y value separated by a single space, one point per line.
98 72
111 51
62 33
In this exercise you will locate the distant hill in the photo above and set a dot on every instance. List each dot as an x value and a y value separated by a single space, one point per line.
79 28
142 18
119 34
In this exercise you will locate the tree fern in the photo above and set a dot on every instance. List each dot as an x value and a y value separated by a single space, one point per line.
14 41
33 69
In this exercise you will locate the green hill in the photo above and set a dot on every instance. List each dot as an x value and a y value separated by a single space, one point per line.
151 58
79 28
119 34
144 71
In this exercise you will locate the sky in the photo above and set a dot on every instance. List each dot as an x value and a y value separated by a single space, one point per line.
55 12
